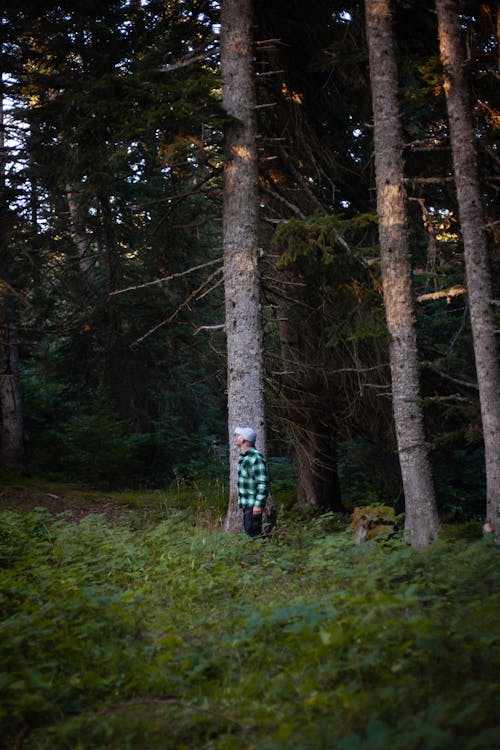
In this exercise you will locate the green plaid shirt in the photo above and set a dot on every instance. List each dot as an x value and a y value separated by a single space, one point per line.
252 479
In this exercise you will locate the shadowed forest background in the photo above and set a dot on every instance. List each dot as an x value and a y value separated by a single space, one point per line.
111 243
128 619
111 237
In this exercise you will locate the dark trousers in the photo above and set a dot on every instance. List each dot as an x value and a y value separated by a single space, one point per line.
252 525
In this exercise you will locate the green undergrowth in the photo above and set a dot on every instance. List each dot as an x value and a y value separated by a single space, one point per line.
169 634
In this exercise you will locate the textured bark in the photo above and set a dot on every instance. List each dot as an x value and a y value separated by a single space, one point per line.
78 228
245 380
498 32
12 430
304 391
318 485
421 521
12 435
475 247
79 233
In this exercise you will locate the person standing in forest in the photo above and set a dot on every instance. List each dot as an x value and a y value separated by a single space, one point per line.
252 481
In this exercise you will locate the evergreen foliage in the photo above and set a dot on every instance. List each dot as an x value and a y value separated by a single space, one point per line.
103 110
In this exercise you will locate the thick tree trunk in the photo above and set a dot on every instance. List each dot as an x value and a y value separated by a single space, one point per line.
421 521
312 428
245 380
475 247
12 431
318 485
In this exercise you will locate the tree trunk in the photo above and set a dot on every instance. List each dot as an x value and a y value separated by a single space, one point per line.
475 248
79 234
421 521
12 435
117 358
498 32
12 443
318 485
304 395
245 379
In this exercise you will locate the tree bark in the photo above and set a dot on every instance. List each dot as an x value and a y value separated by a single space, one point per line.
421 520
12 435
245 378
79 233
475 247
498 31
308 413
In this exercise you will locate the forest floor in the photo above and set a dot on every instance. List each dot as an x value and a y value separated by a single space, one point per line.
26 494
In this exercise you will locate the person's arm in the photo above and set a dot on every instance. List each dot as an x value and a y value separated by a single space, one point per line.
261 485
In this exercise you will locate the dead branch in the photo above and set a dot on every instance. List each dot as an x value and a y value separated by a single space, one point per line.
172 317
214 286
451 397
200 53
166 278
269 73
218 327
179 196
274 194
429 180
454 291
445 376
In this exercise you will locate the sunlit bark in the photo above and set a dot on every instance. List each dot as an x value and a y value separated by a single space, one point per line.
245 381
421 521
475 247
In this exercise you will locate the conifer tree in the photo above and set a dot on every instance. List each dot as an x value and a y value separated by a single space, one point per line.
421 521
245 376
12 429
472 223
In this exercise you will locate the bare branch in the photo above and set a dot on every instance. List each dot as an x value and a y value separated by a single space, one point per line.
166 278
214 286
218 327
172 317
200 53
454 291
445 376
273 193
429 180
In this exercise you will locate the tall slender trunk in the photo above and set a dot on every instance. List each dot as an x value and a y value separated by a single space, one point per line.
117 358
475 247
12 430
498 32
421 520
245 379
71 189
79 233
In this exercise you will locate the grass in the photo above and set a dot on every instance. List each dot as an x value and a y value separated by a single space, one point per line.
155 630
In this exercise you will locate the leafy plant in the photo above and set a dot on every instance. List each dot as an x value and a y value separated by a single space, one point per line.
167 633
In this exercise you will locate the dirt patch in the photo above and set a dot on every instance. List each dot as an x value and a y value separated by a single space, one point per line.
25 500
